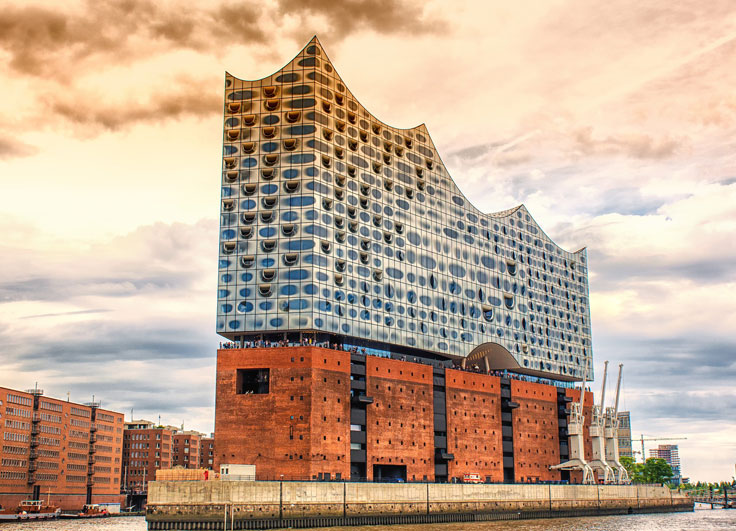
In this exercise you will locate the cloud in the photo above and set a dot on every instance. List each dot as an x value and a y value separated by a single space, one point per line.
11 148
384 17
471 153
48 42
156 259
95 111
91 343
59 314
677 361
640 146
118 315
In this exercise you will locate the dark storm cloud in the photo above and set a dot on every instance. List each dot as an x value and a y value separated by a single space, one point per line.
190 101
11 148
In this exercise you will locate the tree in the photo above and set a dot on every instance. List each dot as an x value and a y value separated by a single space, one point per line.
656 471
653 471
632 468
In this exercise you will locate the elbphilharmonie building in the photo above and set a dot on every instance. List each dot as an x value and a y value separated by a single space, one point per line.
340 227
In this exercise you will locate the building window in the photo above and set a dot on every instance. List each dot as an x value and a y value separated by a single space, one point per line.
252 381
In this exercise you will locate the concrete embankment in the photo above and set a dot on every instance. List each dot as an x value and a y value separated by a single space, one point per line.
266 505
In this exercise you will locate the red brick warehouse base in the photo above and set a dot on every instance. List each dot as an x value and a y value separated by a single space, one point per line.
287 410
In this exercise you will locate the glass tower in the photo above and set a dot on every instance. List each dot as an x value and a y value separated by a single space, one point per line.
336 224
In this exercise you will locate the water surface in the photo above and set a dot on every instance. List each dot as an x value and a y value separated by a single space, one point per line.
699 520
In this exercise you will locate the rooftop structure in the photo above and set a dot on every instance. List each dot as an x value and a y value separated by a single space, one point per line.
339 227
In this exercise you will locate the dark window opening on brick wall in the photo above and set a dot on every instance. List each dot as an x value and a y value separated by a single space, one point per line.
252 382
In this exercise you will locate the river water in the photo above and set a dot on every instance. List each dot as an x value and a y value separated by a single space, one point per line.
699 520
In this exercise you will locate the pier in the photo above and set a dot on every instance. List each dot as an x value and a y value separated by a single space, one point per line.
727 500
225 505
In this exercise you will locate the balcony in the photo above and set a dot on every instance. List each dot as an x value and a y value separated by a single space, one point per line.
363 399
31 478
93 427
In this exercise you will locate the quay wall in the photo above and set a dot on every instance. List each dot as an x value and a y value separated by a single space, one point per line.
272 504
66 501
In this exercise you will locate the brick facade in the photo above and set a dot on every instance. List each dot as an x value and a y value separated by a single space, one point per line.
58 450
146 448
287 410
207 453
399 429
187 448
300 428
474 425
536 434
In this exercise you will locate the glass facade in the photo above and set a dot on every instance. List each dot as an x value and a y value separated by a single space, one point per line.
334 222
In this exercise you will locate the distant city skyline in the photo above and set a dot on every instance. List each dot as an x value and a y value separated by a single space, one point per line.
614 124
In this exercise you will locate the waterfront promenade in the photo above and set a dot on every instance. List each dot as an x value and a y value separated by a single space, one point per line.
273 504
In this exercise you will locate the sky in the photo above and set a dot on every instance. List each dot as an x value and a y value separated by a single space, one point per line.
613 122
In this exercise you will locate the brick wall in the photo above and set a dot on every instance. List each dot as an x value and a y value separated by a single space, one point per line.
330 448
536 435
399 423
50 442
474 425
293 430
300 429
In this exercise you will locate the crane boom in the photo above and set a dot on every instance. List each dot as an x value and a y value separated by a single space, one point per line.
582 390
618 387
603 387
643 455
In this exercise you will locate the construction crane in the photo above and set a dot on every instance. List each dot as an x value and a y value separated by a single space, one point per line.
650 439
575 437
611 423
597 435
